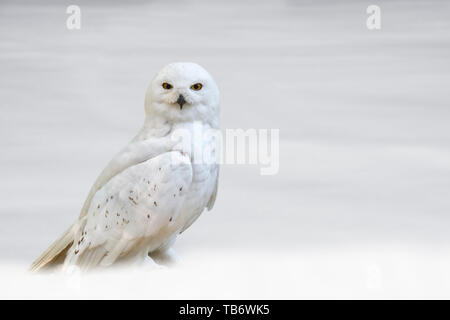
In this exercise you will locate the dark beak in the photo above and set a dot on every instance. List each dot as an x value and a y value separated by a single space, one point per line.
181 101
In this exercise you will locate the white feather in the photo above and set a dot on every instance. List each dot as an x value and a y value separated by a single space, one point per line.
154 188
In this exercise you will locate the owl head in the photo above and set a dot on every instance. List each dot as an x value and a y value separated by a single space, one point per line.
183 91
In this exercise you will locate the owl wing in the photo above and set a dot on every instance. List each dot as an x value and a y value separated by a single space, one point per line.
212 200
131 208
135 152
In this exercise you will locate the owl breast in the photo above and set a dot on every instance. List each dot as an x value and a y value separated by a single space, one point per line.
203 154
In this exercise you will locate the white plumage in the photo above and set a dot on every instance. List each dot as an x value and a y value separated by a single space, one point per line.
154 188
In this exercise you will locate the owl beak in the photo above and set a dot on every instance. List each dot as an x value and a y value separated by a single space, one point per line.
181 101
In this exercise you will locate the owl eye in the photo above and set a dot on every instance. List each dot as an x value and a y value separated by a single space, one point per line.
196 86
167 86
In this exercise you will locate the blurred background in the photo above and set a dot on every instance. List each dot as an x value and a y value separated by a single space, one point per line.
364 119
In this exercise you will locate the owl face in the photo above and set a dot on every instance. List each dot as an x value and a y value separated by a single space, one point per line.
183 92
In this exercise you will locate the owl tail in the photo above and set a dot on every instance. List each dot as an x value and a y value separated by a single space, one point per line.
55 254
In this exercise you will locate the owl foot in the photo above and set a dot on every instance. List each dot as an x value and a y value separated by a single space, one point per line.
166 258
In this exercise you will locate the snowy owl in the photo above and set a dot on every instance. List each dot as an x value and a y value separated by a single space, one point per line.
153 189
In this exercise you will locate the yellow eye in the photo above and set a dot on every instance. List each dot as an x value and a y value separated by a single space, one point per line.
196 86
167 86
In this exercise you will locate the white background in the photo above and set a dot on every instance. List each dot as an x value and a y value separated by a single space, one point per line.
360 207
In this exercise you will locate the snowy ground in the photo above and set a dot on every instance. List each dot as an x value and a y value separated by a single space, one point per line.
323 274
360 207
